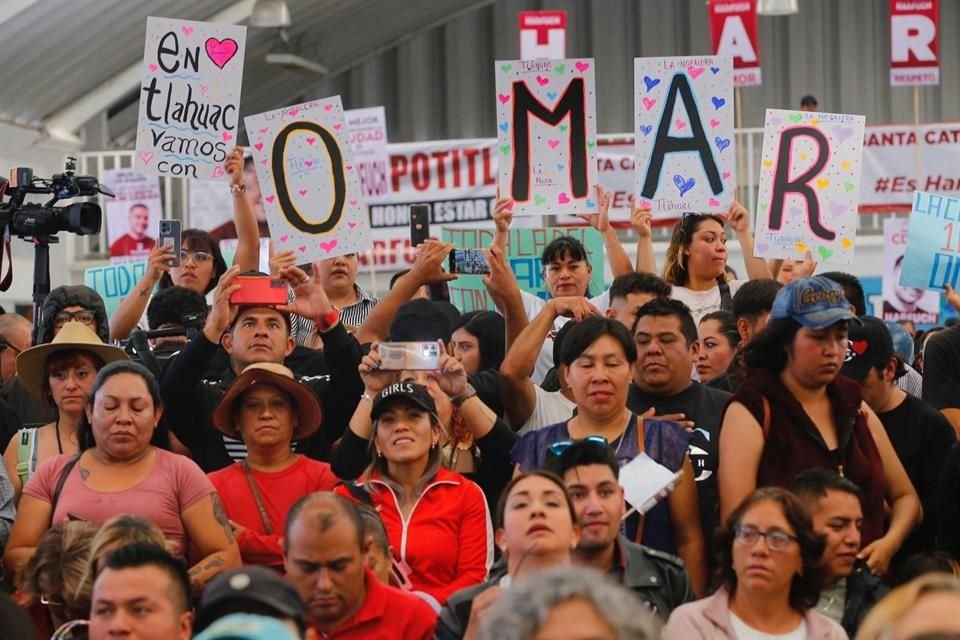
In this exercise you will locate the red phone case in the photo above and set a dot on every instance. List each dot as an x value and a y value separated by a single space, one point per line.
259 290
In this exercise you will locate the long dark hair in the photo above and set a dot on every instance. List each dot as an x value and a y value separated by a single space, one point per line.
805 588
489 328
200 240
675 267
768 350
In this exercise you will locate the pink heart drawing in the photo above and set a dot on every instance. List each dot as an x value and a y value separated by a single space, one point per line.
509 206
270 199
713 202
563 199
329 245
186 30
351 225
264 130
264 162
726 174
695 71
217 171
221 51
582 66
293 112
542 81
284 238
648 103
226 136
146 156
714 123
302 248
336 127
327 107
258 146
311 140
349 167
204 88
309 163
353 203
303 192
645 204
680 123
553 143
503 97
152 68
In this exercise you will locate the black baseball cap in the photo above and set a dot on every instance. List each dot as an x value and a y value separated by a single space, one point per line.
424 321
409 391
869 346
250 585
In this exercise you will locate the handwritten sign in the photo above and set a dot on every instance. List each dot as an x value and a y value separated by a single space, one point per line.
368 140
685 155
932 259
809 185
189 98
524 248
546 135
133 214
114 282
903 303
308 182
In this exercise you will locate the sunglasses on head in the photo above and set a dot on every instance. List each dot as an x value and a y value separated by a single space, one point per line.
558 448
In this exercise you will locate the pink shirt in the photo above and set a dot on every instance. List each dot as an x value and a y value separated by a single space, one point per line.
174 485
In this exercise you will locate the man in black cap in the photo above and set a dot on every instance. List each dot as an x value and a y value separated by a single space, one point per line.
920 435
252 589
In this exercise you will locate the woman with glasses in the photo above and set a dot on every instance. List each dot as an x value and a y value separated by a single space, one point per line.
718 344
697 260
61 373
598 354
768 559
201 262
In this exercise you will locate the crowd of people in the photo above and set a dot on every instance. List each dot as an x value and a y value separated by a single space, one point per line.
260 471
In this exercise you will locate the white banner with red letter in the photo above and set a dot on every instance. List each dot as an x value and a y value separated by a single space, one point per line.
733 31
914 42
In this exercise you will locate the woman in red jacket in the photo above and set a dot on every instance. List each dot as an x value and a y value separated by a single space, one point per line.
437 520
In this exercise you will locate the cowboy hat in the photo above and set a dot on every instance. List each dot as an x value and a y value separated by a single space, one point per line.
306 406
74 336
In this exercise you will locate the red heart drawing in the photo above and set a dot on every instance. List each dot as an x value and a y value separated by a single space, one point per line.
258 146
152 68
221 51
582 66
226 136
311 140
329 245
336 127
859 346
563 199
351 224
303 192
309 163
302 248
270 199
349 167
328 107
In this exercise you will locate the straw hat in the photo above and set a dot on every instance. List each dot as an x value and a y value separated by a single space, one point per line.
32 363
307 407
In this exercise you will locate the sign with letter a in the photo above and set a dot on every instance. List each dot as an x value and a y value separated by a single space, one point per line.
733 30
914 42
809 188
685 156
547 135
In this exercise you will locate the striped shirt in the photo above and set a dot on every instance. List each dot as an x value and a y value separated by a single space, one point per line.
352 316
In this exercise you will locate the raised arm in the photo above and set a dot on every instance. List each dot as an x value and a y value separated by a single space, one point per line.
131 308
247 256
616 254
502 286
739 220
642 220
502 217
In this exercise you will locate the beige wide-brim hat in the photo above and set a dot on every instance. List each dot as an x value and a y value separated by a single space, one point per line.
74 336
308 411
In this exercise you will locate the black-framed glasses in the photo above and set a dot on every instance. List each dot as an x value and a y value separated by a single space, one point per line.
6 345
197 256
86 317
775 539
557 448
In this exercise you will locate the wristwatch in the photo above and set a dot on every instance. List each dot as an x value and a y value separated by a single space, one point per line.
468 393
238 190
328 320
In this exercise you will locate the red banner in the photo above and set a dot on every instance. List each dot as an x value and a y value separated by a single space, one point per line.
733 30
914 42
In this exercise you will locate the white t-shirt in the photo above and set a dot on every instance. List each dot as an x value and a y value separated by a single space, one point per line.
532 305
703 302
745 632
552 407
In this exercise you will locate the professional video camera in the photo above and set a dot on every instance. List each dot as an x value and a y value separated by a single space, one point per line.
39 223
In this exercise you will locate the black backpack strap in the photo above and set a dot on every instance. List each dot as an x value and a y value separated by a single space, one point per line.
360 494
726 300
62 480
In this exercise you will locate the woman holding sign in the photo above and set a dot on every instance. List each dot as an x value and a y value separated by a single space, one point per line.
201 263
697 260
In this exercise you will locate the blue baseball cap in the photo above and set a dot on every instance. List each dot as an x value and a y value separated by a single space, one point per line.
902 342
816 303
244 626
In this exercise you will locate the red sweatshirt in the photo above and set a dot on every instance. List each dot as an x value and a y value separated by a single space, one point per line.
447 541
278 490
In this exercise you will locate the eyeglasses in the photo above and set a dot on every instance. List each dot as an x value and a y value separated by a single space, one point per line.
776 540
6 345
197 256
557 448
84 316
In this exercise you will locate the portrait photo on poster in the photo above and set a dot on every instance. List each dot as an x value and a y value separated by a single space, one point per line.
133 215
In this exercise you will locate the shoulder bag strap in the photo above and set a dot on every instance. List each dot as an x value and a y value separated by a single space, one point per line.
24 447
255 490
726 300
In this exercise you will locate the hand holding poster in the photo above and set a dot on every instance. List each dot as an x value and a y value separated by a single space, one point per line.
547 135
809 186
932 259
133 215
685 158
899 302
189 98
308 181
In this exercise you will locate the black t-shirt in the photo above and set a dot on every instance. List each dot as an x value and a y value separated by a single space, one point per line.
704 406
922 438
941 369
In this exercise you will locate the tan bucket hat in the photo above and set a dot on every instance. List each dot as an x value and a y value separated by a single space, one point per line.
308 411
32 362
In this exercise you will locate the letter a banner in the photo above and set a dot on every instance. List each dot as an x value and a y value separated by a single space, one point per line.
809 188
189 98
308 180
547 135
685 156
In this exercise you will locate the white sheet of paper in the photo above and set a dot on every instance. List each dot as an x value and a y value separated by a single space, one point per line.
645 482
